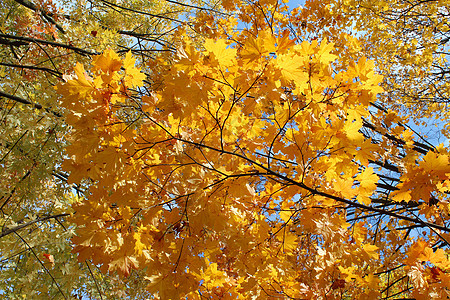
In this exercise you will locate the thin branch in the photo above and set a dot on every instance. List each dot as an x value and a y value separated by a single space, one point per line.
42 264
18 227
197 7
314 191
141 12
24 101
54 44
53 72
45 15
95 281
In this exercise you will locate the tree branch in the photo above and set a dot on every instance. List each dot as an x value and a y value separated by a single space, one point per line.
54 44
18 227
314 191
24 101
44 14
53 72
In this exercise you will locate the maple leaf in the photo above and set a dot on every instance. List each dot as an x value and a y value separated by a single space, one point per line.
286 215
366 152
351 130
367 179
345 187
372 280
435 163
214 277
124 265
134 76
417 278
291 67
415 251
438 258
221 51
367 184
349 273
255 48
129 61
290 242
371 250
401 195
107 62
284 42
324 54
49 258
239 156
81 87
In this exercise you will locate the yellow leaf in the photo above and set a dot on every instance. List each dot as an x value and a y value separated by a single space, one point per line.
107 62
401 195
225 56
371 250
367 179
129 61
435 163
351 129
256 48
349 273
291 67
372 281
290 241
324 52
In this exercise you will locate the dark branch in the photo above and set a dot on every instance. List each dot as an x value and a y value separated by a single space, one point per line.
24 101
18 227
44 42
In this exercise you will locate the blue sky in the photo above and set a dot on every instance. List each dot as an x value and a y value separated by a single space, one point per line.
295 3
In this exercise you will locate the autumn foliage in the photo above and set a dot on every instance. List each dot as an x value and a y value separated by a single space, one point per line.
251 164
273 161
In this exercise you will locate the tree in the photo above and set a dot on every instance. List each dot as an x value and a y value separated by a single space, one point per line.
256 163
408 41
40 41
415 38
